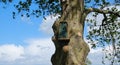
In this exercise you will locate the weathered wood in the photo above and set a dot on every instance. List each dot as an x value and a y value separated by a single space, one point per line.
76 51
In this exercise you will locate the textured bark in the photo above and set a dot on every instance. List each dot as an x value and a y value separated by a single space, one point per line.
76 51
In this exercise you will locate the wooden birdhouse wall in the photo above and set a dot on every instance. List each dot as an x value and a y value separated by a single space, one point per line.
63 30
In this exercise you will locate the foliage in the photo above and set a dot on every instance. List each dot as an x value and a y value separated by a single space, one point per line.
106 33
36 7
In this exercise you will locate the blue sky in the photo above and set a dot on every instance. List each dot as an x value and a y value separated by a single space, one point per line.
22 39
17 36
27 41
16 30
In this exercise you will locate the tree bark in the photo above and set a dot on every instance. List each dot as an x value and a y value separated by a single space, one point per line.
76 50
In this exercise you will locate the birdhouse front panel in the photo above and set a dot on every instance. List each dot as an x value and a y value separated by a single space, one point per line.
63 33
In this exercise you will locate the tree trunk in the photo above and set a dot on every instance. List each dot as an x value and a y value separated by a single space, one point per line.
72 50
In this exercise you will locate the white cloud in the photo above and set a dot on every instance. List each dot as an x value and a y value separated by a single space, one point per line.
98 19
38 52
39 46
42 49
46 25
10 53
95 56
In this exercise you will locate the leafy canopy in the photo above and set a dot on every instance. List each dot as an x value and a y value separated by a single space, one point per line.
105 33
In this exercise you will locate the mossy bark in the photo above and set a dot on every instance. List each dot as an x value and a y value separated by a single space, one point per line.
76 51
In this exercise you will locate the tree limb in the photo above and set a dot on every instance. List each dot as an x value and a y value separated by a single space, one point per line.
102 11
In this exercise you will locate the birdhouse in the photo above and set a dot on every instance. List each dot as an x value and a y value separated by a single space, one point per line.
63 33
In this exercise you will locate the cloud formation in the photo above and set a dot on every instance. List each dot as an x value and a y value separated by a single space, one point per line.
38 52
11 52
46 25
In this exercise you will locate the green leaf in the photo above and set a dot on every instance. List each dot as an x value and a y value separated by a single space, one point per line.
103 1
4 1
107 40
93 45
10 0
97 1
13 15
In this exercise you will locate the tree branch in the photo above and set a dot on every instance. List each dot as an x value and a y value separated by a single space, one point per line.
102 11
